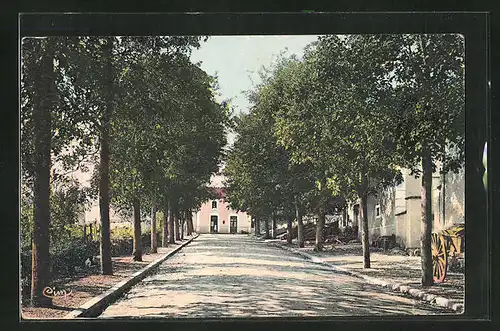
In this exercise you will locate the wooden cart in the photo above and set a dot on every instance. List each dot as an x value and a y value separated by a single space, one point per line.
446 244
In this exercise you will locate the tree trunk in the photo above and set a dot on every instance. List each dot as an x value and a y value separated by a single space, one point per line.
164 241
40 271
177 226
91 233
154 244
137 250
84 233
266 224
171 225
190 222
105 247
320 226
300 232
193 230
289 230
364 236
300 227
273 230
188 226
426 204
257 227
181 221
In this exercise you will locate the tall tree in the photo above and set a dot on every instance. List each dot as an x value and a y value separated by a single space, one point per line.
86 73
428 114
120 55
298 122
105 246
44 101
261 178
326 117
50 102
365 160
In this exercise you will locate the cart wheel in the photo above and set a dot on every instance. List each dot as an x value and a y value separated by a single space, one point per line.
439 258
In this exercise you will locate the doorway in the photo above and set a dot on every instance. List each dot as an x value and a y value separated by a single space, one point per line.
233 224
214 226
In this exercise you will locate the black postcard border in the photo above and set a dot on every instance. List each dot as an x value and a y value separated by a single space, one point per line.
474 26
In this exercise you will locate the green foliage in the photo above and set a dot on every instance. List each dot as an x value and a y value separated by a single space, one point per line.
428 102
260 176
122 232
172 101
70 254
73 116
164 103
121 246
353 111
167 129
67 203
334 115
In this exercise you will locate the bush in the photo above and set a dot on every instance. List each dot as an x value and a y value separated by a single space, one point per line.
121 246
64 259
73 254
122 232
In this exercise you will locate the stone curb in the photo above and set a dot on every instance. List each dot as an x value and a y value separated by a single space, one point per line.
416 293
95 306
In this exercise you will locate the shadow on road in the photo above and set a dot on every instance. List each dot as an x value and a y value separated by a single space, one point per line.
225 276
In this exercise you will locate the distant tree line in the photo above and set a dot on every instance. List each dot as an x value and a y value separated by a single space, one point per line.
140 111
343 120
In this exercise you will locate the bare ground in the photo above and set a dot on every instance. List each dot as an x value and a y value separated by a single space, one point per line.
393 268
90 283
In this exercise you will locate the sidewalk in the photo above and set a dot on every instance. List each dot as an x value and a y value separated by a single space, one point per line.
92 284
401 273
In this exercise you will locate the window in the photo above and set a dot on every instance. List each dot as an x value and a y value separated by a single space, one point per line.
377 211
214 204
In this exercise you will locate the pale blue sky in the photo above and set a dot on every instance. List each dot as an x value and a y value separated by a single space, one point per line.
238 59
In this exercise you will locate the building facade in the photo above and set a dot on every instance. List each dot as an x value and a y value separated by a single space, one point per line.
91 213
215 216
397 210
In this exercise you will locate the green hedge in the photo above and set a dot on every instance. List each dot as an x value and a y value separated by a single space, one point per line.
70 255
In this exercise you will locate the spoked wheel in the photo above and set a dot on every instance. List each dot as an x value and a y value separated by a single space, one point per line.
439 258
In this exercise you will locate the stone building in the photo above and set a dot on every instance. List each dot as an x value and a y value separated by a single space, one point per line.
215 216
397 210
